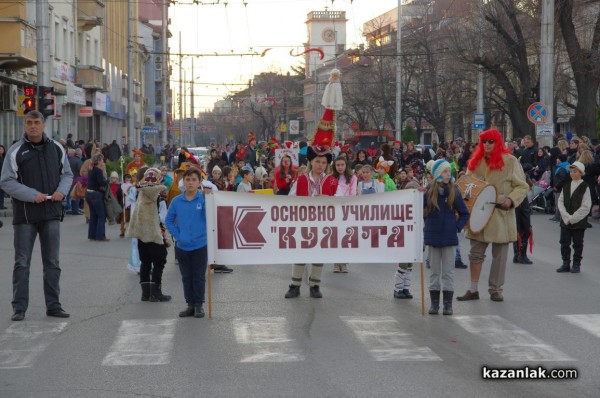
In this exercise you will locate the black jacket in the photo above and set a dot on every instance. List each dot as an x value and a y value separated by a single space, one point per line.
30 169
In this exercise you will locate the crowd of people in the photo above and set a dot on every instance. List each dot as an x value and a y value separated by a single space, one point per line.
169 196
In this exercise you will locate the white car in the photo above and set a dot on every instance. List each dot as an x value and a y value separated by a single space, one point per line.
200 153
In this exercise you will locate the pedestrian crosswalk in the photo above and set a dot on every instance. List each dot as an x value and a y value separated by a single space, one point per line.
141 342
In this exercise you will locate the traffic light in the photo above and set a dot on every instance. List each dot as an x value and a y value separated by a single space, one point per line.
46 101
29 101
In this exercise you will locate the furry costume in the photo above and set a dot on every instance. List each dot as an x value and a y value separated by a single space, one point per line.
144 224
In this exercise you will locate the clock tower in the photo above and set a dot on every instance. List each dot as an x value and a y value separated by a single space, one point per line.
327 32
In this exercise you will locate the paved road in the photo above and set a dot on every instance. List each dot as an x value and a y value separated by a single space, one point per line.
358 341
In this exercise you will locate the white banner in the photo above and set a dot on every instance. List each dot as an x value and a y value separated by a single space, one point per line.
273 229
294 127
293 153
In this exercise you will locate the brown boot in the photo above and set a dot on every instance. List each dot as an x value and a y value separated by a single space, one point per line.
468 296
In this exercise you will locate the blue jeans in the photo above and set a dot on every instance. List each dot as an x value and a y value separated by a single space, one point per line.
192 265
75 205
97 215
24 239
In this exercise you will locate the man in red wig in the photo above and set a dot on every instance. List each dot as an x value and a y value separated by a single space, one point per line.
493 163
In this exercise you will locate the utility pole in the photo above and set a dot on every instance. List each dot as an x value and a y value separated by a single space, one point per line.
399 74
165 71
192 112
43 52
547 66
130 111
180 92
480 82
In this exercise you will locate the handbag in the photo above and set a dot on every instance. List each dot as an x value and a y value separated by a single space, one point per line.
79 190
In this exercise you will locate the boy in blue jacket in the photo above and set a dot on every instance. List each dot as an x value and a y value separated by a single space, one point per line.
186 221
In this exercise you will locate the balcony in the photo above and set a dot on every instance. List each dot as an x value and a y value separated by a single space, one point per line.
90 77
89 14
17 47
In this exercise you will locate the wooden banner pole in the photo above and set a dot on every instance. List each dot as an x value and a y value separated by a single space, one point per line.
422 289
208 268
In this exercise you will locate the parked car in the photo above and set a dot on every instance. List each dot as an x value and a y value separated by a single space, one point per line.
200 153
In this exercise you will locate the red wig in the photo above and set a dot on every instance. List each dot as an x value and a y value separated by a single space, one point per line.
495 162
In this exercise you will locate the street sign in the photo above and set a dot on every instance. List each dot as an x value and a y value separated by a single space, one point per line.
479 120
294 127
149 130
538 113
544 129
86 111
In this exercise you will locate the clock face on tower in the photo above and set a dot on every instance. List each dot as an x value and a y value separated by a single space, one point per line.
328 35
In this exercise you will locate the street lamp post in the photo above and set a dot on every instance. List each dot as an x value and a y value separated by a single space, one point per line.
399 74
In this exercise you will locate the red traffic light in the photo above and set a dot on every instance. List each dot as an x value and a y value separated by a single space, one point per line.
29 105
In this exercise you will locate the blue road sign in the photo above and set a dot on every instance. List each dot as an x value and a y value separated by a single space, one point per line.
479 120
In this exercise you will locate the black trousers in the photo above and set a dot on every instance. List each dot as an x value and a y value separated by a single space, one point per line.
153 258
566 237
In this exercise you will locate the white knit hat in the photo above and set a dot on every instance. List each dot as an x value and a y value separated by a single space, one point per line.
114 174
438 168
579 166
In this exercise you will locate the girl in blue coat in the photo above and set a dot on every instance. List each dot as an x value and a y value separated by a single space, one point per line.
445 216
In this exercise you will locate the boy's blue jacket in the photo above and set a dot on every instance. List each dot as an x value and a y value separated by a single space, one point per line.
442 227
186 221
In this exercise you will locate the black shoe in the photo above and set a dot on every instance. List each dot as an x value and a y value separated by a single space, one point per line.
315 292
223 269
525 260
189 311
460 265
575 269
399 294
589 225
407 294
515 259
198 312
156 294
564 268
58 313
18 316
293 292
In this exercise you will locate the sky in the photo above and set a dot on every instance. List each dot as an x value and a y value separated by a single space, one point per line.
230 27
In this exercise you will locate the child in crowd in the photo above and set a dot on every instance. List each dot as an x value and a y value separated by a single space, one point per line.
357 170
217 178
315 183
443 201
186 221
574 204
245 184
383 169
367 185
145 225
346 187
285 175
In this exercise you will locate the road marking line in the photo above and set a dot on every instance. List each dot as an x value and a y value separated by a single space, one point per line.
384 340
509 340
23 342
588 322
142 342
268 339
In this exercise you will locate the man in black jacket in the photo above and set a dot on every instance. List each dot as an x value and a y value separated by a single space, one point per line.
37 176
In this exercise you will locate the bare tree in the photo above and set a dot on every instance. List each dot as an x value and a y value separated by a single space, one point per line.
509 56
584 55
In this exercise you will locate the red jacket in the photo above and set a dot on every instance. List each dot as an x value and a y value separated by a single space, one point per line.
327 187
281 182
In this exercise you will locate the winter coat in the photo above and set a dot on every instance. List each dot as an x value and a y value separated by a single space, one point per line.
442 227
31 169
509 183
144 223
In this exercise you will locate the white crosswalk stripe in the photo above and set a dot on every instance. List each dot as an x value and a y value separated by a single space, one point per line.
267 339
588 322
23 342
509 340
142 342
384 339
